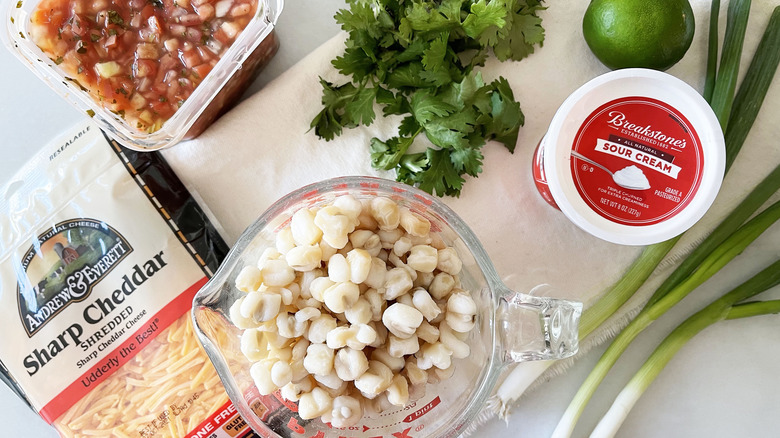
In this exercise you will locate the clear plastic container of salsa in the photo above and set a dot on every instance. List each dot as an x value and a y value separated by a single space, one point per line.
150 72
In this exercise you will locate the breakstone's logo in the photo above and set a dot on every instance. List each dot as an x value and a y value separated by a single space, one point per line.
63 265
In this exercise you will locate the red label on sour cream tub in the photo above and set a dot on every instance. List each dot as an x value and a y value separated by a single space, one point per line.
636 161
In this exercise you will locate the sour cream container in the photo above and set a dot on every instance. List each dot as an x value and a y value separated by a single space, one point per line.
634 157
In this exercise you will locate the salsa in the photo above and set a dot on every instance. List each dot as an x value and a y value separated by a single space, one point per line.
140 59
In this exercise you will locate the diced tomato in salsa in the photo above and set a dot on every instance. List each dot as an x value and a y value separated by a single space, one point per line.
140 59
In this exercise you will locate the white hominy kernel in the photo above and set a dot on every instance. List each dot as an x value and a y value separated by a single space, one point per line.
261 306
304 258
268 254
350 363
376 274
389 237
350 207
397 262
358 238
402 246
395 363
367 222
284 240
461 302
415 375
424 280
360 312
423 258
261 374
424 303
434 355
427 332
376 302
398 392
315 403
249 279
319 359
365 335
276 354
402 320
281 374
346 412
359 261
289 327
320 327
381 333
375 380
330 381
450 340
237 318
307 314
341 296
386 213
459 321
338 269
277 273
449 261
327 251
303 229
399 348
442 285
414 224
318 287
397 282
253 345
338 337
306 280
293 390
335 226
302 303
275 340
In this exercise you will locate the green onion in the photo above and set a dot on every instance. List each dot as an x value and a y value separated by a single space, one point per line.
726 82
725 307
766 188
712 52
724 253
754 87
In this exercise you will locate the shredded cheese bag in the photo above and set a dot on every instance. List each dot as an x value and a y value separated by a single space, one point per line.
101 252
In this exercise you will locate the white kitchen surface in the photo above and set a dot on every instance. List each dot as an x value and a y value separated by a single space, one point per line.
723 384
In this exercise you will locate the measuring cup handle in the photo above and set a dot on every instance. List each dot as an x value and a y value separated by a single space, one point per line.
537 328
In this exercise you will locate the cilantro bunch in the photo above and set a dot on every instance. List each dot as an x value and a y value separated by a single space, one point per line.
417 59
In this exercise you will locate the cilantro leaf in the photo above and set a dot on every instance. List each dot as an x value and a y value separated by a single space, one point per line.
417 59
354 62
440 176
360 108
426 106
487 20
387 155
525 31
506 115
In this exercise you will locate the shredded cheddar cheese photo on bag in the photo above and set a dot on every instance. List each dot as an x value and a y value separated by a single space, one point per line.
101 252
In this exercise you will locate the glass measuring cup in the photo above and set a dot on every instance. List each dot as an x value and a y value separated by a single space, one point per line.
510 326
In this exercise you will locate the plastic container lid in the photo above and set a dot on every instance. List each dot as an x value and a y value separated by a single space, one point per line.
656 135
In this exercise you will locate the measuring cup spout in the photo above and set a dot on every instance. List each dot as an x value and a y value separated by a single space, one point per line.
537 328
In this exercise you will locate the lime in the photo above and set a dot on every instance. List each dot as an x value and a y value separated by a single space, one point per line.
638 33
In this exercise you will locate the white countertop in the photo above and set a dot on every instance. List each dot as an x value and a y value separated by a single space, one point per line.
723 384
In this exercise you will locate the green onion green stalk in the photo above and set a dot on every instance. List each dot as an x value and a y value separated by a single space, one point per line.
726 307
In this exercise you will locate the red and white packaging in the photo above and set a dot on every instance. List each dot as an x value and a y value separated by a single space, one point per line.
101 252
633 157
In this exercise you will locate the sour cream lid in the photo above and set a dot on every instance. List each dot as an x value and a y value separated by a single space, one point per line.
634 156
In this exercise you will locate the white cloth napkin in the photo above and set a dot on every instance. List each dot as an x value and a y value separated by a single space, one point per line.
262 150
